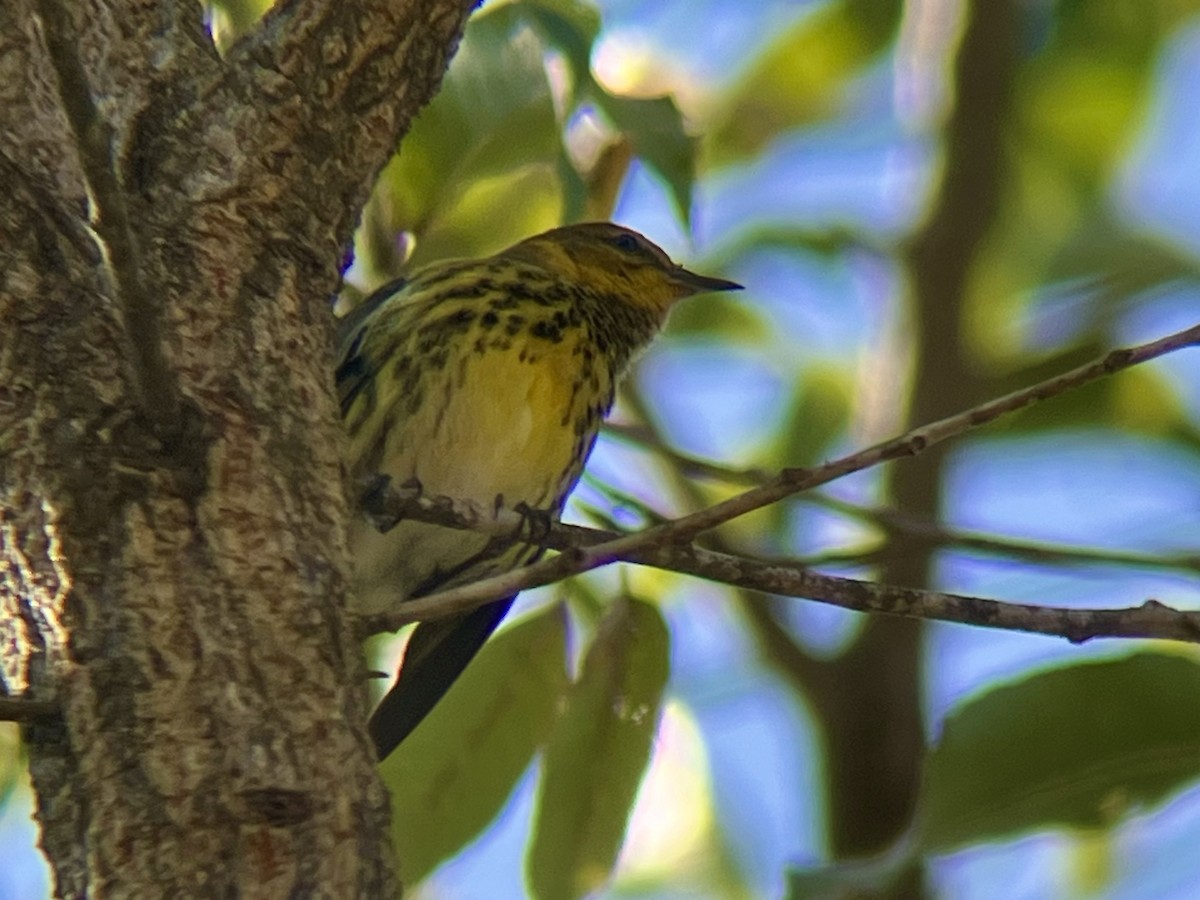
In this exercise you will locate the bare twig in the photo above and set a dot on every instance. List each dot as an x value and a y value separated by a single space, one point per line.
386 507
15 709
153 378
647 438
638 547
810 674
895 520
1044 552
1150 620
792 481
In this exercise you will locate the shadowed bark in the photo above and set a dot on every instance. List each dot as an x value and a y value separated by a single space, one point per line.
172 227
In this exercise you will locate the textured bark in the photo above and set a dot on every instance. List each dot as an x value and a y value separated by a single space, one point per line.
174 575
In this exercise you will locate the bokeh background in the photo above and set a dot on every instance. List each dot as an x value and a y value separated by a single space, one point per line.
930 203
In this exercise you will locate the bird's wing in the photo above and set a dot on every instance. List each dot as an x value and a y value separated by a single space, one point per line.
436 655
353 370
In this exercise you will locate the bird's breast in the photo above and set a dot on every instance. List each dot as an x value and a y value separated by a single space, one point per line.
502 416
504 420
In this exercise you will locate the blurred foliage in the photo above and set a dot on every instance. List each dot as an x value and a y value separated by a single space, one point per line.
489 160
1081 98
451 778
526 134
1074 747
594 762
801 76
1077 747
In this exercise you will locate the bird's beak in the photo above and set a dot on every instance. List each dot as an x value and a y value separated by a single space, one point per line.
691 283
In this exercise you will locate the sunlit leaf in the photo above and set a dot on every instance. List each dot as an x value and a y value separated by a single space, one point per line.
1144 401
599 751
571 27
513 206
493 115
1095 858
729 318
802 75
855 878
654 127
1086 91
11 762
1078 746
817 415
1083 109
230 19
451 776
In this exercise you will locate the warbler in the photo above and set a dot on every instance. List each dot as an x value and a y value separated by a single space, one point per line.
487 380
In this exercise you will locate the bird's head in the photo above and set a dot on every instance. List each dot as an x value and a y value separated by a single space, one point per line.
616 261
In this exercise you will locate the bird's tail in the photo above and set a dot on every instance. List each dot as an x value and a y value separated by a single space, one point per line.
436 655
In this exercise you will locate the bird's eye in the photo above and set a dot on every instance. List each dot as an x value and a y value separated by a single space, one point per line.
626 243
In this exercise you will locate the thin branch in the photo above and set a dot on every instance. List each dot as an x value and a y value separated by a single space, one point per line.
622 499
642 545
994 545
793 481
647 438
809 674
386 507
154 381
14 709
1150 620
895 520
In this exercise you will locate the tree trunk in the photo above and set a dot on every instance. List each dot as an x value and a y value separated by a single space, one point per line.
172 506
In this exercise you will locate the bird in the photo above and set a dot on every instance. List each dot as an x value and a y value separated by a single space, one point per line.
486 380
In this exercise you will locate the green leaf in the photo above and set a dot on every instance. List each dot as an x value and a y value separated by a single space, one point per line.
571 26
870 877
452 775
1083 108
493 116
802 76
1084 94
1076 746
493 213
818 415
654 127
723 317
599 751
1115 261
230 19
12 762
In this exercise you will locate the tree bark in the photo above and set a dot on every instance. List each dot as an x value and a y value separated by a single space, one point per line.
173 226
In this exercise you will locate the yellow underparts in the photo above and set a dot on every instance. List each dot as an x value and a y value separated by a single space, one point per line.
491 420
